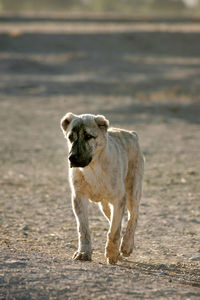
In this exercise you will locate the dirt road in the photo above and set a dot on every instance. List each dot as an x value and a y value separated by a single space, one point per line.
142 75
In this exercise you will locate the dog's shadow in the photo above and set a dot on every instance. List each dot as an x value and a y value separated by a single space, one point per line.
175 273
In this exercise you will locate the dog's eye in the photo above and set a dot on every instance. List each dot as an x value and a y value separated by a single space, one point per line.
88 136
70 137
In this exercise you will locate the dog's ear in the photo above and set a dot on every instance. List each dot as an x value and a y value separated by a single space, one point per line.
65 121
102 122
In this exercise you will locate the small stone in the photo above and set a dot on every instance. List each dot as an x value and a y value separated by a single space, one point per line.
183 180
26 227
69 245
195 258
192 172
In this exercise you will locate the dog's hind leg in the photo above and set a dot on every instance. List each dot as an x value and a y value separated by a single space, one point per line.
128 238
134 191
105 208
113 239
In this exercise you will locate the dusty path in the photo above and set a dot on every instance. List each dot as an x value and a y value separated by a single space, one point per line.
144 78
31 275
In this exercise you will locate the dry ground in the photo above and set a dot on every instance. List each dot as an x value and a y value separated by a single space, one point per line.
143 75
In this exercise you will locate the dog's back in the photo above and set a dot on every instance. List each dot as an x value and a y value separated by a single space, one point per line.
126 141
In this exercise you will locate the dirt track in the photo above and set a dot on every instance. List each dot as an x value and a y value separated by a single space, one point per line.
143 76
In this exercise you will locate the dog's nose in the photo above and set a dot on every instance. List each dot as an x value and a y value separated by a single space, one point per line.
73 158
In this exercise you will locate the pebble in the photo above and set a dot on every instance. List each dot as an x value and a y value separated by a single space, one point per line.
195 258
26 227
69 245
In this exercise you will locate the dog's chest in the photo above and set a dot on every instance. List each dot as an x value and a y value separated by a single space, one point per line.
98 184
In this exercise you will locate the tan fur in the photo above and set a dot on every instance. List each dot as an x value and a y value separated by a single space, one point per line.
113 178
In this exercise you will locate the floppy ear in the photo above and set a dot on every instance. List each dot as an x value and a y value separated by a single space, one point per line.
102 122
65 121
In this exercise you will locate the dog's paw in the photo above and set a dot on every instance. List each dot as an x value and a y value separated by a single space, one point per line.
112 260
126 252
86 256
112 253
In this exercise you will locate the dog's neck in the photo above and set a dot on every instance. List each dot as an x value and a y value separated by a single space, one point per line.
98 163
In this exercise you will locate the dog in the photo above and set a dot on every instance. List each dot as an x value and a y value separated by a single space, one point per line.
106 166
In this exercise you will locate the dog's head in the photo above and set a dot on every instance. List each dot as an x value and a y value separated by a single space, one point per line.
86 135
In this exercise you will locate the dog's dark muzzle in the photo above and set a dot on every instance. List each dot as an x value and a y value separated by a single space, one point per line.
76 162
73 160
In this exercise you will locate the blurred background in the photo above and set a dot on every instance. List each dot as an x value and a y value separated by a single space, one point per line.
125 6
136 62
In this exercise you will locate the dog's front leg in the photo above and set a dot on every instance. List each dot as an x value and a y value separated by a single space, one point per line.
113 240
80 208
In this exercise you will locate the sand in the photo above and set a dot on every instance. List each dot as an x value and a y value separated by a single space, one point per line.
143 75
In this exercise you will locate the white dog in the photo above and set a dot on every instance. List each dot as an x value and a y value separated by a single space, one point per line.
106 166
